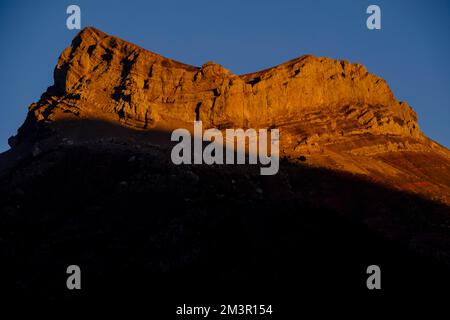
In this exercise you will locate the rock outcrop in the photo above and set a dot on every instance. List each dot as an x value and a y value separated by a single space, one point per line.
330 113
89 181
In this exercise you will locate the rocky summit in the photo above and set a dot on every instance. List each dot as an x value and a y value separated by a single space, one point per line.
331 113
89 181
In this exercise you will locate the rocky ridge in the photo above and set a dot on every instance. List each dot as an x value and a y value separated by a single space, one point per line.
331 113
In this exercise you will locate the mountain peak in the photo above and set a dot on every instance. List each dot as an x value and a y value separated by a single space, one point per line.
334 113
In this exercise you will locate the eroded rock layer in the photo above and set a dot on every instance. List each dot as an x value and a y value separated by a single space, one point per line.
330 113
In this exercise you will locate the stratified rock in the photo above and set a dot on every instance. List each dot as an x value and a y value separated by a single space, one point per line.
330 113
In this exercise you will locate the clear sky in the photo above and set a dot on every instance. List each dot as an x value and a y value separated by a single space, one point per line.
411 51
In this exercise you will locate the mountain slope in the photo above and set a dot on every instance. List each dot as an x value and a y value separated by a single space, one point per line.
333 113
89 181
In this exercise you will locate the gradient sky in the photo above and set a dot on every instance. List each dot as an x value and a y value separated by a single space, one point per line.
411 51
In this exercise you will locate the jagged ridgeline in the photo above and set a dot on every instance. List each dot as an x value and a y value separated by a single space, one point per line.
330 113
89 181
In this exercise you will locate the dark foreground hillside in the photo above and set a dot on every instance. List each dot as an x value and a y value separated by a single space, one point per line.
143 229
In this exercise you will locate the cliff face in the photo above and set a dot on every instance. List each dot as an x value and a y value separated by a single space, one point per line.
332 113
86 184
104 77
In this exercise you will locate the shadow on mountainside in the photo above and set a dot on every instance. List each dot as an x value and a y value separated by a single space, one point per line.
139 226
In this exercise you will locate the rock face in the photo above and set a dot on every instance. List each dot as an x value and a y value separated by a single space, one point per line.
89 181
331 113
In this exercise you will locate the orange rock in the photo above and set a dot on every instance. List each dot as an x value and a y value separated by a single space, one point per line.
335 113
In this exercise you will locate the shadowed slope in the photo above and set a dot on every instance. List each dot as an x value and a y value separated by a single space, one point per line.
142 228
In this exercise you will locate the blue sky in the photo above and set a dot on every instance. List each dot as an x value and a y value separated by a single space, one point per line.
411 51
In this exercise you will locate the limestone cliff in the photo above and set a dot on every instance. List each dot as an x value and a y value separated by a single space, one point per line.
89 181
331 113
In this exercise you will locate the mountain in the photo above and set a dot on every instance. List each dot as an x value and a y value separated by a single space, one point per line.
88 180
332 113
